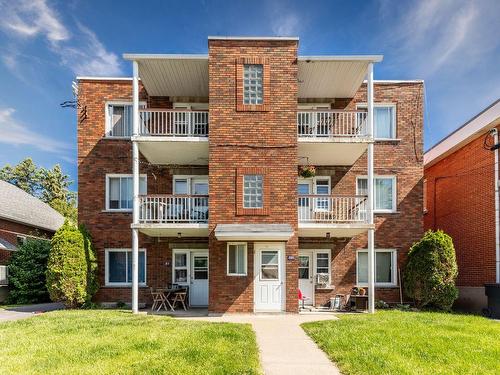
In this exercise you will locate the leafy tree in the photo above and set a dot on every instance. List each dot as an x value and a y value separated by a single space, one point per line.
67 267
431 271
50 185
27 269
25 175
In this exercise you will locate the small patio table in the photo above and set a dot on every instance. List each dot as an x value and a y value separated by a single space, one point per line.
167 292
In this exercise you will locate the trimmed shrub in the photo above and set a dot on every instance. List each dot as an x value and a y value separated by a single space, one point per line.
67 267
431 271
91 261
27 269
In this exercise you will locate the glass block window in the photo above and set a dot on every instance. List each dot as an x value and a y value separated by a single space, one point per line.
252 191
253 91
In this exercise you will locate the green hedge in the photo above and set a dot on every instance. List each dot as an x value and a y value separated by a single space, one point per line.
27 268
431 271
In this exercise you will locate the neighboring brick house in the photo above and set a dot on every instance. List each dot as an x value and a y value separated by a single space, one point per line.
21 216
220 205
461 176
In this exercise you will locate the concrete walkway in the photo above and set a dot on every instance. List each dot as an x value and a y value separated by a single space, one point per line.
284 346
26 311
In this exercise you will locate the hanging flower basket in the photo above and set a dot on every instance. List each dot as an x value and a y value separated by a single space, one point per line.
307 171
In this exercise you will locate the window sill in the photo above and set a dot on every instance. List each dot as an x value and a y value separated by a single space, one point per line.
385 212
380 286
393 140
237 274
111 286
324 288
117 211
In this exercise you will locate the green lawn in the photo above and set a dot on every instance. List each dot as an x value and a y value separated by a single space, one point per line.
117 342
395 342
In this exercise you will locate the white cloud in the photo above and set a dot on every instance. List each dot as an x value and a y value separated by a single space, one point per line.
434 35
13 132
83 53
285 25
32 17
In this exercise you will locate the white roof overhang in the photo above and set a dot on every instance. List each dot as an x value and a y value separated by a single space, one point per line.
333 76
477 126
173 75
253 232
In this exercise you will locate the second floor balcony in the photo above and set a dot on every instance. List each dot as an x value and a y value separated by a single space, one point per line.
172 136
331 137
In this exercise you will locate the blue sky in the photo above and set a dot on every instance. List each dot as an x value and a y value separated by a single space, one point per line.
453 45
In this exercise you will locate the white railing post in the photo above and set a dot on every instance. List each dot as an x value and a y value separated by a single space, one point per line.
370 159
135 173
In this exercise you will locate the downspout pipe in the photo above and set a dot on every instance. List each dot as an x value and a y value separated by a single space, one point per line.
494 132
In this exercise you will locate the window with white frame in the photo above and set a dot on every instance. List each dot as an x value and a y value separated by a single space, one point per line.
252 191
384 192
4 275
384 120
253 91
119 267
180 274
119 119
191 185
237 259
385 267
119 191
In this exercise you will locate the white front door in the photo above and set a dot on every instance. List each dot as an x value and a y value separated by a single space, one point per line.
198 292
269 276
306 282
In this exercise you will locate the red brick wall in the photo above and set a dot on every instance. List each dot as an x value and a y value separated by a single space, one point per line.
9 231
240 139
461 202
98 156
402 158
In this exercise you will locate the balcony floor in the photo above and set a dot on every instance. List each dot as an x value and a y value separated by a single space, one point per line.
173 230
174 150
331 151
335 230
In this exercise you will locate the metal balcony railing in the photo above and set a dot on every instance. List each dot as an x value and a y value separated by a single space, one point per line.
331 123
173 209
328 209
173 123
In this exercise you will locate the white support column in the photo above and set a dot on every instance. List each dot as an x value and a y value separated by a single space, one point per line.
371 201
135 172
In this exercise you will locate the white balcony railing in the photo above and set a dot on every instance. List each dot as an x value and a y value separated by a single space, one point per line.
331 124
173 123
173 209
327 209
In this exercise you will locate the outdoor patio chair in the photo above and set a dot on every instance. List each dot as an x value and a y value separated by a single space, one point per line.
180 297
159 300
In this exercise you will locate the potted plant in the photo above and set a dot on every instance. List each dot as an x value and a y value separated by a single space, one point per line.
307 171
362 291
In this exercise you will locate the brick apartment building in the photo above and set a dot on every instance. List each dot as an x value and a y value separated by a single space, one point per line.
21 216
461 180
191 168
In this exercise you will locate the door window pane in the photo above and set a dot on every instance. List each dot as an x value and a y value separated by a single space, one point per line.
200 267
269 265
180 260
180 276
303 267
322 263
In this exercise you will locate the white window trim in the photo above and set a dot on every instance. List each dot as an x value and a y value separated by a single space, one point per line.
314 266
245 258
394 118
114 175
107 133
188 266
106 268
394 270
190 179
394 192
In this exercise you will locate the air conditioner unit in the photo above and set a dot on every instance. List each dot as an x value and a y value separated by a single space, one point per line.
322 279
